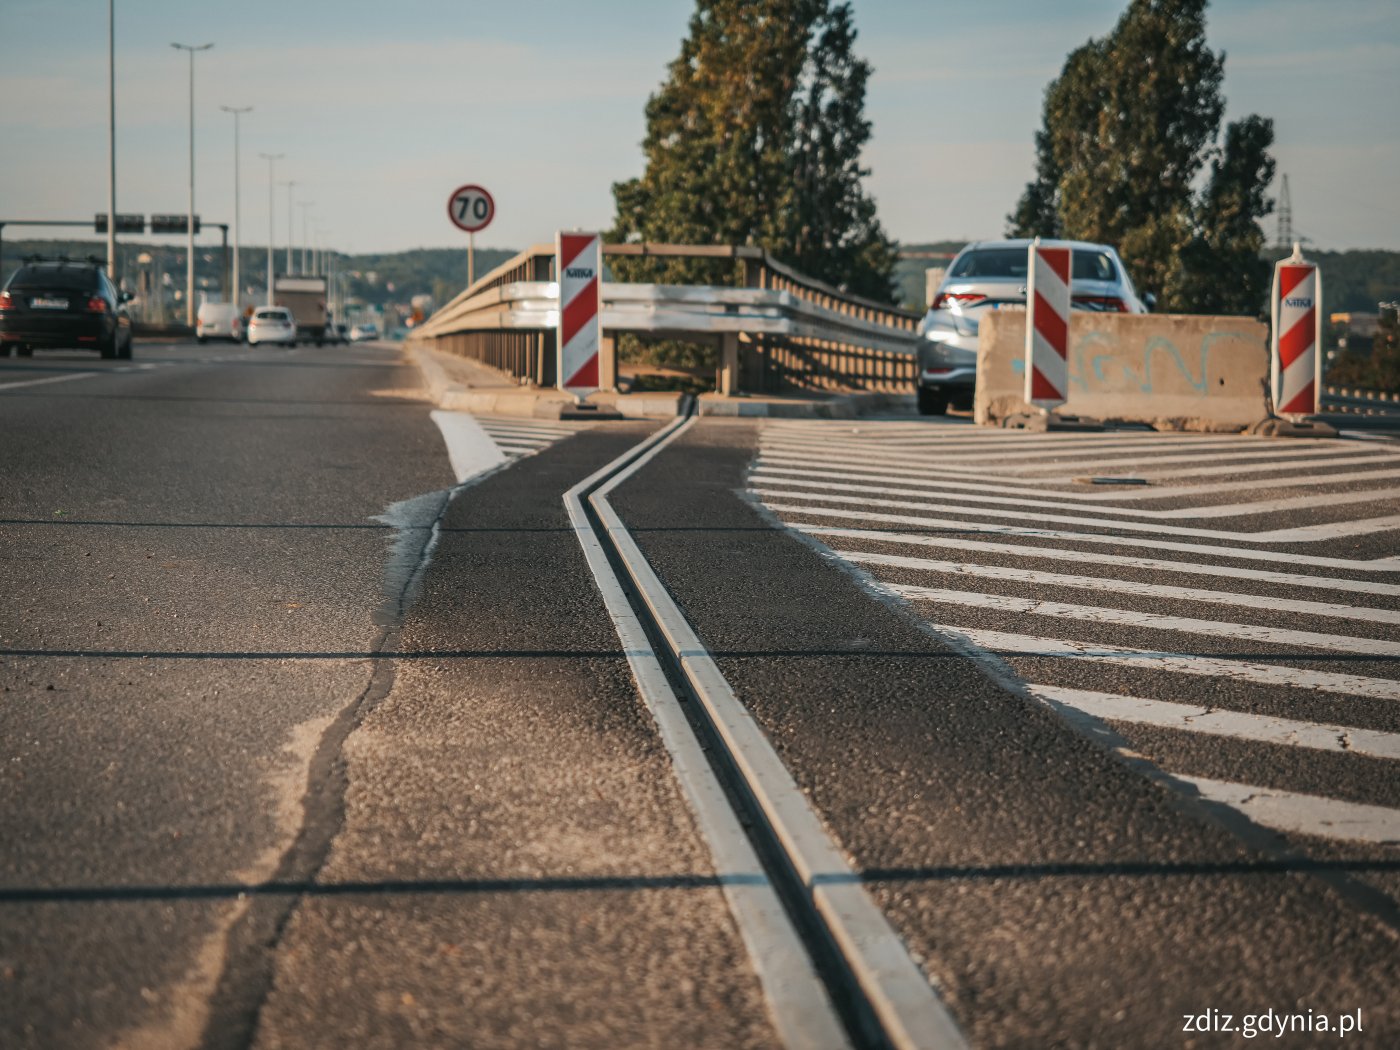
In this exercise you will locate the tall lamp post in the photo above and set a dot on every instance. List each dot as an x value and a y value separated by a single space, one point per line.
112 141
305 236
289 184
237 112
189 260
272 159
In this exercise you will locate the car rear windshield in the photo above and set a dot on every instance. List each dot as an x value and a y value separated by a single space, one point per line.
271 315
1011 262
76 277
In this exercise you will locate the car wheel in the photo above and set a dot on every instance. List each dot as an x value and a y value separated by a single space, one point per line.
932 403
202 340
108 349
5 349
126 351
25 351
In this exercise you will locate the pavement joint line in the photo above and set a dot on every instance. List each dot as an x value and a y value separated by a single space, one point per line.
901 996
998 529
797 998
1041 578
1237 725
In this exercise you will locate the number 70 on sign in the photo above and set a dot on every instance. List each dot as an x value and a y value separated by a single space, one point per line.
471 208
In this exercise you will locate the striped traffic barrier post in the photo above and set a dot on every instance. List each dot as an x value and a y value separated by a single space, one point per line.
1295 360
578 259
1047 325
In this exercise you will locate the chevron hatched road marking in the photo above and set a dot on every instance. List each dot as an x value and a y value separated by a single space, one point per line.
518 436
975 531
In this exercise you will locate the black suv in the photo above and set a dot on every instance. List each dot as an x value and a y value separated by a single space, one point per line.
63 303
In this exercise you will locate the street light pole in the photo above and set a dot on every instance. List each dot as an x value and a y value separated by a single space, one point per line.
272 159
189 260
237 112
305 236
112 141
289 184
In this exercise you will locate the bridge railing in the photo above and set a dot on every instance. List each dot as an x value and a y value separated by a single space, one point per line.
775 329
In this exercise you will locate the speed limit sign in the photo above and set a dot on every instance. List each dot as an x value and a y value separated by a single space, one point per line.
471 208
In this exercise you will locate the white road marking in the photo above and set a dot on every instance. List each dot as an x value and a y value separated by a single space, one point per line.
1237 725
1151 621
933 464
1298 534
1199 549
1189 568
1040 578
470 449
932 491
51 379
1015 646
912 480
1303 814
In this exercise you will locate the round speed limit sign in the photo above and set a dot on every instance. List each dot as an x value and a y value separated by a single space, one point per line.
471 208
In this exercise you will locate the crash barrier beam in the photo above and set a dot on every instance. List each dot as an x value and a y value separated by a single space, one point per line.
780 331
1170 371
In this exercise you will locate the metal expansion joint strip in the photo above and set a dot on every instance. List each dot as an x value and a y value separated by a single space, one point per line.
899 996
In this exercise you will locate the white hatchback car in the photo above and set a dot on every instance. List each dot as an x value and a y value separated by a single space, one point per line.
272 324
991 275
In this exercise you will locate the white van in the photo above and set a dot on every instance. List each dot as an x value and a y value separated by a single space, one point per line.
219 321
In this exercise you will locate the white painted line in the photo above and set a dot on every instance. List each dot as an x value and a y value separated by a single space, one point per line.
1016 646
1151 621
1291 579
934 463
1237 725
901 995
1303 814
1298 534
1040 578
916 480
1199 549
797 999
51 379
470 449
936 492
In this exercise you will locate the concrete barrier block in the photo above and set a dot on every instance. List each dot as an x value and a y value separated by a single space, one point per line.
1171 371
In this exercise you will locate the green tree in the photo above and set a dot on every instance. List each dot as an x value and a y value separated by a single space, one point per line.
755 138
1223 269
1128 126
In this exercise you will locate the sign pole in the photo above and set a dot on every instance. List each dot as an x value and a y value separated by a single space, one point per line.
471 258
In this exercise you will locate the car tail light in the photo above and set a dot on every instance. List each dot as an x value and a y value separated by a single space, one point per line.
7 301
97 305
946 299
1104 303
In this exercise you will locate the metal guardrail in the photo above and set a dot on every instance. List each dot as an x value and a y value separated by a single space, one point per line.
1358 401
780 330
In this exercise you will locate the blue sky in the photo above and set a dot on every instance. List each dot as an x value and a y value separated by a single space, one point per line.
383 108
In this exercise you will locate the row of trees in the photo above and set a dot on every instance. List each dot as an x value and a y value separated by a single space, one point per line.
1129 126
755 137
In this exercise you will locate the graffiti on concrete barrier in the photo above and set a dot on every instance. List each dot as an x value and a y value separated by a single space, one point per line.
1096 363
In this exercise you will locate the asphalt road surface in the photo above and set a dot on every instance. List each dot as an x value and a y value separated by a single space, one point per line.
315 730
